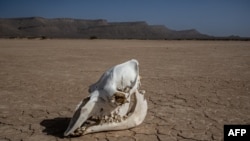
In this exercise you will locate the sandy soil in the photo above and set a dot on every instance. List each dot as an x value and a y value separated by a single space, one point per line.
193 87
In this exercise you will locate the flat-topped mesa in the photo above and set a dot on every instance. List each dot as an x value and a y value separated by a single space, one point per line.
88 29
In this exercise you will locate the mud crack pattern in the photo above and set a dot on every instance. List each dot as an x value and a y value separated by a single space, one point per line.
193 88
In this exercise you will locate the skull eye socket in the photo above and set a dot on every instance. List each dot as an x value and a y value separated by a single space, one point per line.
120 98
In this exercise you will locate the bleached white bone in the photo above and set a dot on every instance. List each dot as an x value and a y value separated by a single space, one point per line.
115 80
118 77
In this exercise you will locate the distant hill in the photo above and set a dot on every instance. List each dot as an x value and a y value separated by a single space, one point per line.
37 27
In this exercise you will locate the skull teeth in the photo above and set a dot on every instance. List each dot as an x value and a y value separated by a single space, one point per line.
112 118
79 131
105 119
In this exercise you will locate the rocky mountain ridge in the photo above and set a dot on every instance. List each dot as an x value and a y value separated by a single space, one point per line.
38 27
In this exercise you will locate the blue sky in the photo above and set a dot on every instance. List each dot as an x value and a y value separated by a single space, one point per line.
212 17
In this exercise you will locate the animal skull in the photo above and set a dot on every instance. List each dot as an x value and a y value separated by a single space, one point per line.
110 105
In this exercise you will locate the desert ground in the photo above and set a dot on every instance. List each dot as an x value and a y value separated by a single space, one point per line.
193 88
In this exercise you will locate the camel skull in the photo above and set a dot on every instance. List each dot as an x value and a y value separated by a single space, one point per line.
115 102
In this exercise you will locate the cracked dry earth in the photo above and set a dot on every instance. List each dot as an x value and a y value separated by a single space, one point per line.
193 88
